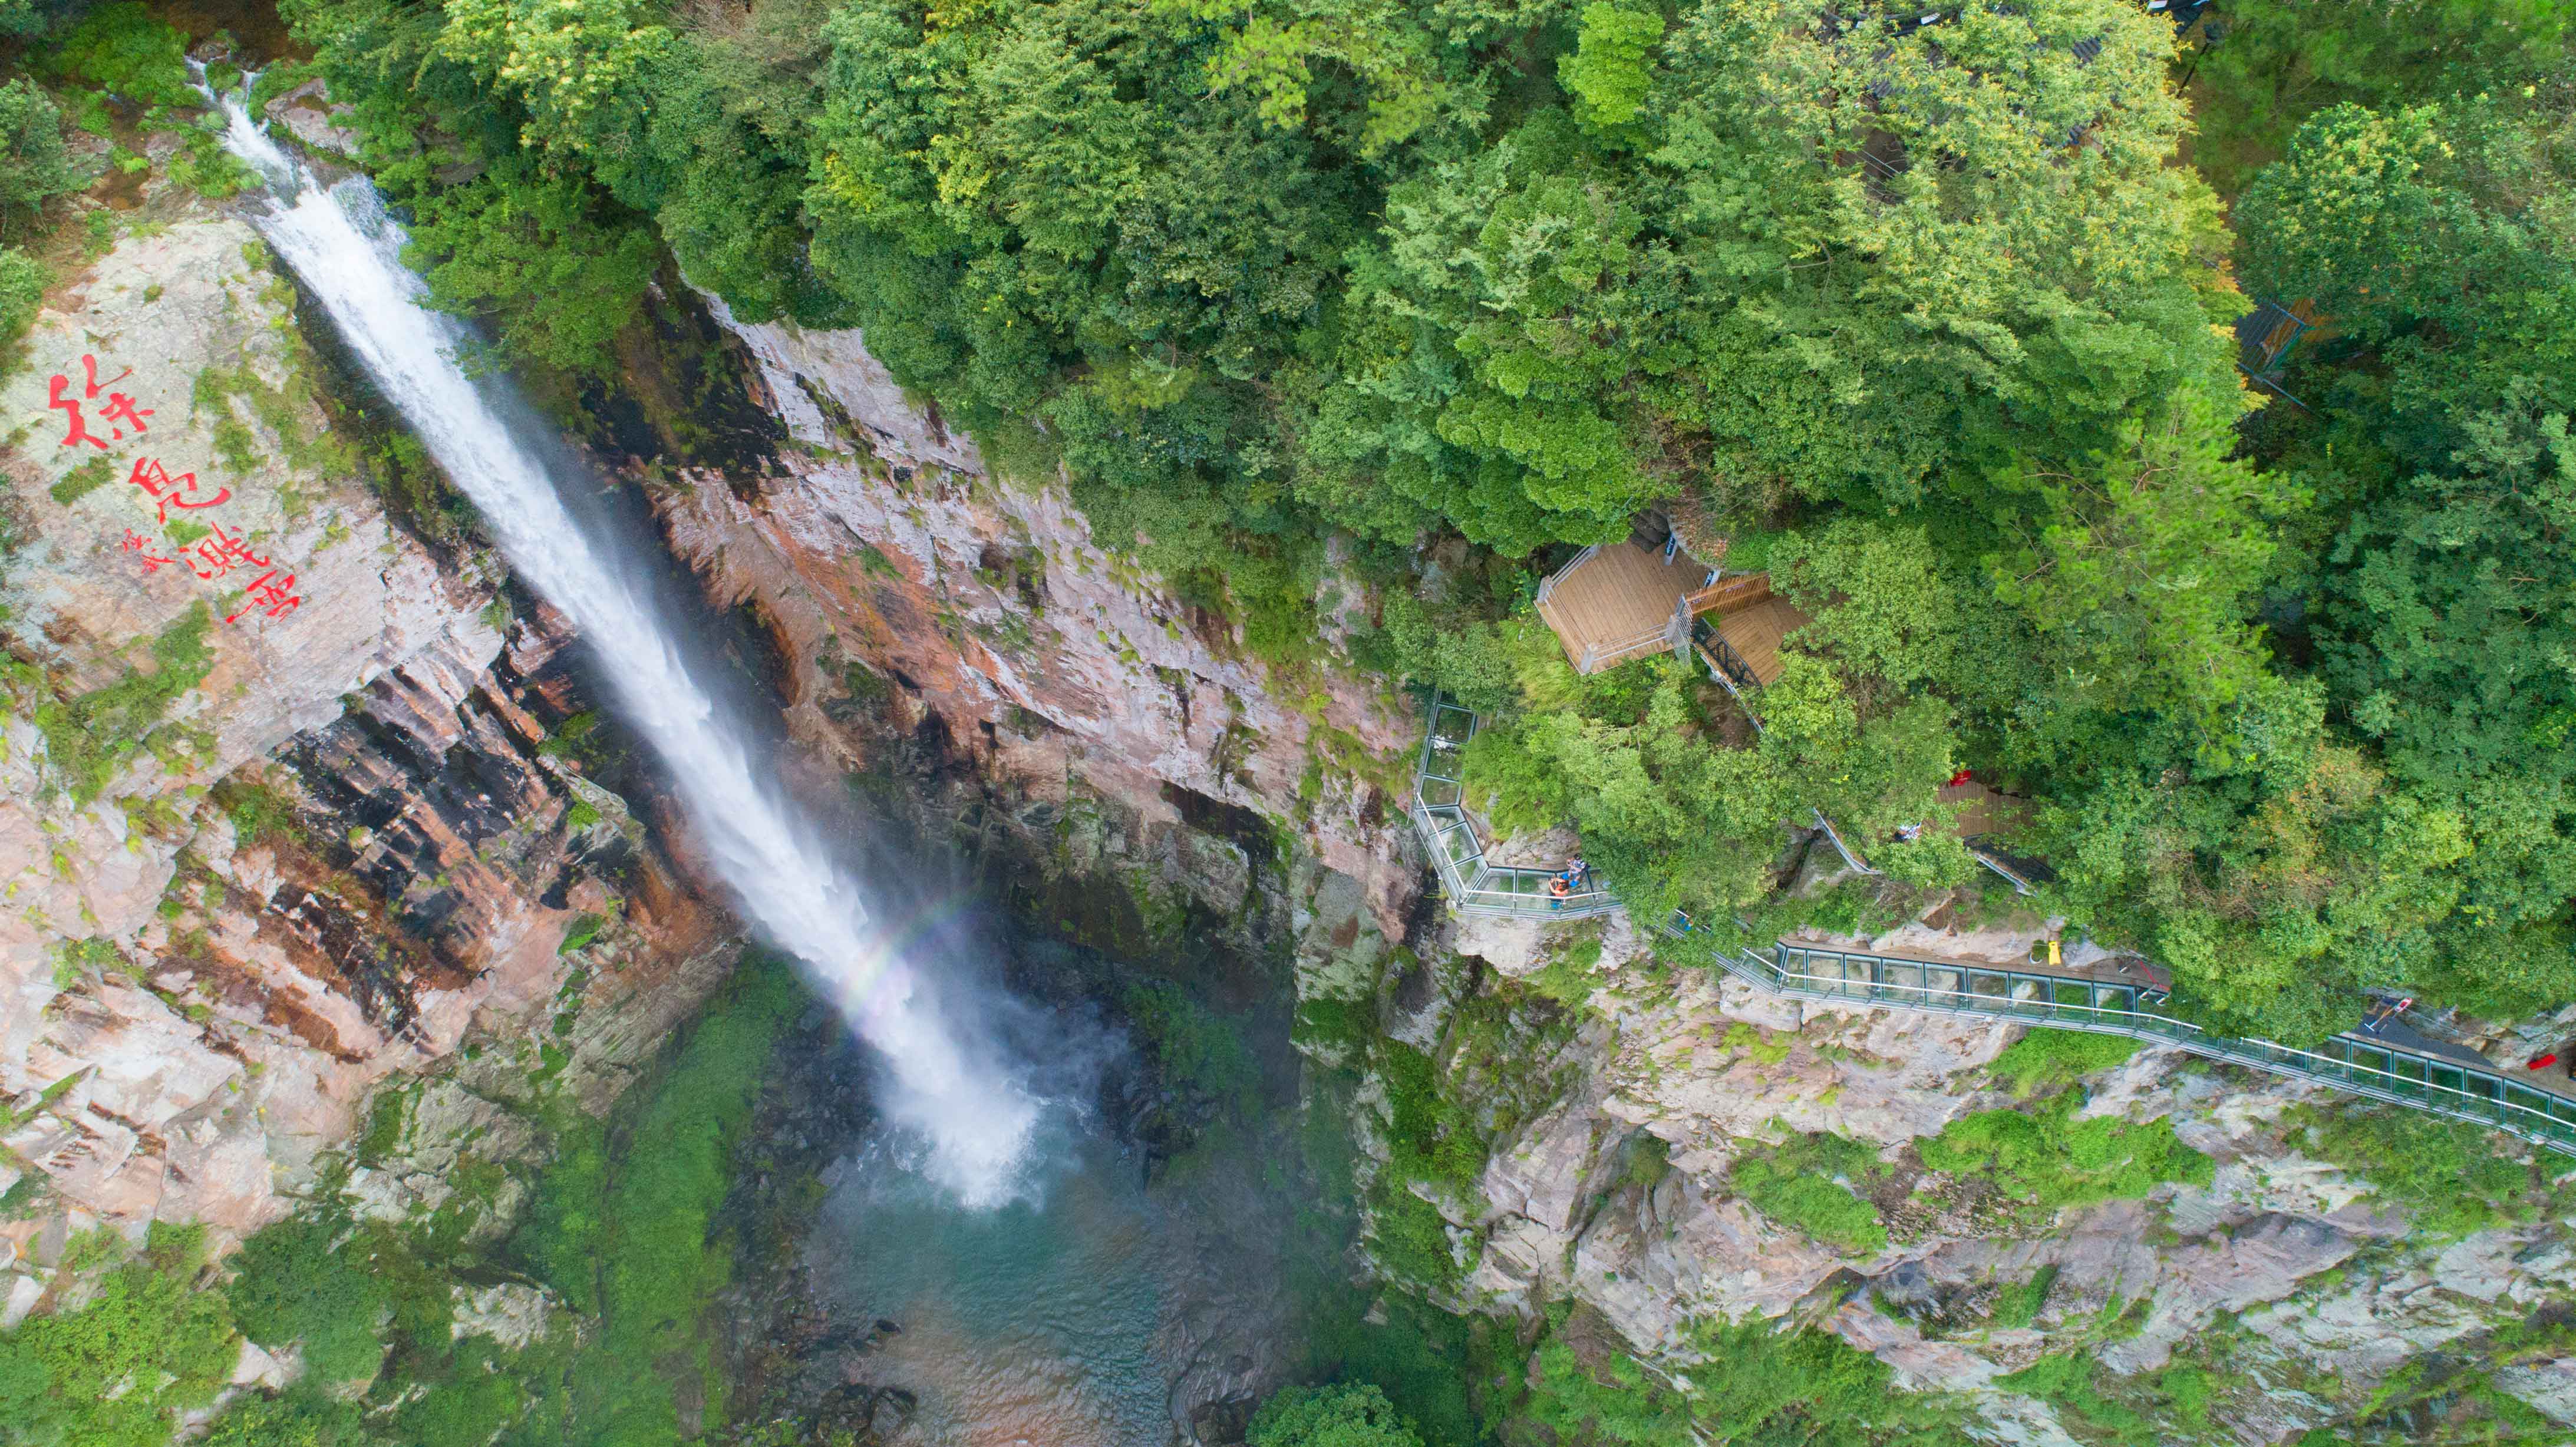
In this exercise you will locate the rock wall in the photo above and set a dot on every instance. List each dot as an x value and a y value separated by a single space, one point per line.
1087 718
2300 1286
293 812
279 814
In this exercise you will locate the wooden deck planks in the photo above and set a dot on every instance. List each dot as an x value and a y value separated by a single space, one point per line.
1755 633
1983 811
1619 595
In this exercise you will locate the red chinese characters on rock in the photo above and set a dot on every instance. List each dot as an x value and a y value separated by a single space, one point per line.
219 555
120 410
168 492
137 543
273 593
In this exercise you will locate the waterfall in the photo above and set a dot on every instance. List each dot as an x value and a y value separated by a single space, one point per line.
949 1084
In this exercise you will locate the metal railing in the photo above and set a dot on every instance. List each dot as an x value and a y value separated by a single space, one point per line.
1598 656
1450 836
1729 669
1548 584
2360 1063
1840 847
2357 1062
1994 857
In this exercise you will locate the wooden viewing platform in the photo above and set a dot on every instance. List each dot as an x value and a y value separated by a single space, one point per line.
1756 632
1616 602
1984 812
1623 601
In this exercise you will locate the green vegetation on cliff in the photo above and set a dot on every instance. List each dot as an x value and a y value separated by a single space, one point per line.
1752 1383
618 1259
1923 318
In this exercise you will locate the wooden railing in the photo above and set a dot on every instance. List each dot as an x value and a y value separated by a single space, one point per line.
1730 594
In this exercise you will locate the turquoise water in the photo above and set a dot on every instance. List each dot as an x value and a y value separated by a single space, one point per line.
1029 1325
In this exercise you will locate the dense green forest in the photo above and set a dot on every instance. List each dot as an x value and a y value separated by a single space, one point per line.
1929 315
1934 318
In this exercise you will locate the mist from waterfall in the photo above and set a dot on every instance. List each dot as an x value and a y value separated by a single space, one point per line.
949 1079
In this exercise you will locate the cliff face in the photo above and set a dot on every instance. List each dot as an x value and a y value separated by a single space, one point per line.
1079 717
2288 1286
298 807
278 815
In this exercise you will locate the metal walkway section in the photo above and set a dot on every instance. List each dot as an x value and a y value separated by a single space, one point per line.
2402 1072
1439 810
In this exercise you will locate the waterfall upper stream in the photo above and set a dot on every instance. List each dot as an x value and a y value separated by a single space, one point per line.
949 1082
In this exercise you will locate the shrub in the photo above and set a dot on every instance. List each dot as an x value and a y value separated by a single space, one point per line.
296 1283
2018 1304
205 167
303 1418
1794 1185
35 165
1409 1239
84 479
259 812
1430 1136
1341 1416
2051 1161
22 292
113 1373
1194 1049
89 738
2454 1177
1753 1384
2044 1061
124 49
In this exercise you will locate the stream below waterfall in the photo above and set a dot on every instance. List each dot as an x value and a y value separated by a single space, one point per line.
1126 1300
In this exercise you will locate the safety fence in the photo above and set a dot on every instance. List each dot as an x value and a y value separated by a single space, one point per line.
2356 1061
1457 850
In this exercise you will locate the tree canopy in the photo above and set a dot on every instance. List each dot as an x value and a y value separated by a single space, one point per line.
1933 315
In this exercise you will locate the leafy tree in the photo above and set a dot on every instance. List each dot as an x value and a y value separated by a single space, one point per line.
116 1371
2282 61
35 165
1927 310
127 51
298 1283
1338 1416
566 58
1607 74
501 231
22 292
1879 603
2433 580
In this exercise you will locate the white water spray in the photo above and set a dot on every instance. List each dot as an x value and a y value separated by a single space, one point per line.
974 1114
